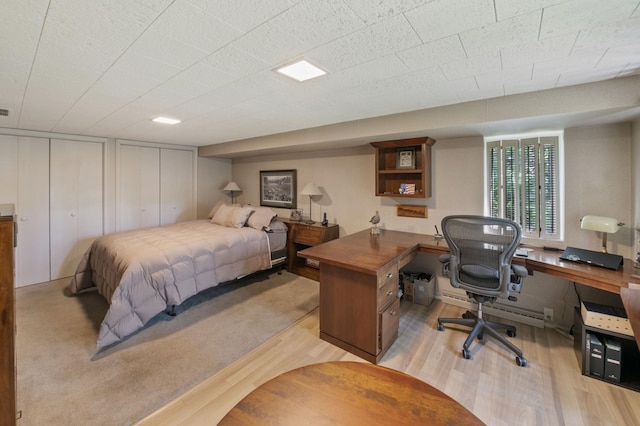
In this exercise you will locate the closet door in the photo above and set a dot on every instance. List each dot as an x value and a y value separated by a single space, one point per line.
138 187
32 209
76 211
8 169
176 186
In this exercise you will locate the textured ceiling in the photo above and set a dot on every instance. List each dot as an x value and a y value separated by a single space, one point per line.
105 68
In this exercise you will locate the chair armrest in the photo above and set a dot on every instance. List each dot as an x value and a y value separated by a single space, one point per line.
519 270
445 258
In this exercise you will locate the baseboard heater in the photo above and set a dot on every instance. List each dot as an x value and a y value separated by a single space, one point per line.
513 314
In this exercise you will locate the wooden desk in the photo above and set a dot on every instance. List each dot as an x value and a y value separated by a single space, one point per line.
359 304
549 262
351 265
347 393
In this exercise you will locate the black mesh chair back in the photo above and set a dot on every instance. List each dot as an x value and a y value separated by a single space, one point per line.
481 252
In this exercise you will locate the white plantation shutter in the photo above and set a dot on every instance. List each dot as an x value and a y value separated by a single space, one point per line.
511 174
530 217
549 154
523 178
494 160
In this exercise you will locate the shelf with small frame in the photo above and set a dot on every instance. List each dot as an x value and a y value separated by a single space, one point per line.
401 164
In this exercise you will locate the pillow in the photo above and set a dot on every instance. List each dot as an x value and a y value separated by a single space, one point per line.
232 216
220 216
214 210
238 217
261 218
276 226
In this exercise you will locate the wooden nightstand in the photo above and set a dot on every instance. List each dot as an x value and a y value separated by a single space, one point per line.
302 236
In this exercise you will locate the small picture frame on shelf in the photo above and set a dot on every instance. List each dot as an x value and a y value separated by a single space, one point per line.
406 158
407 188
296 215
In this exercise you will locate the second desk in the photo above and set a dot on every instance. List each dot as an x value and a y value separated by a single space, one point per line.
359 304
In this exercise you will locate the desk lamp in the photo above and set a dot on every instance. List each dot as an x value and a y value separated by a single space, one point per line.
311 189
232 187
606 225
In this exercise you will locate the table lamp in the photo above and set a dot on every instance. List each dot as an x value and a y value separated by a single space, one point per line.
606 225
311 189
232 187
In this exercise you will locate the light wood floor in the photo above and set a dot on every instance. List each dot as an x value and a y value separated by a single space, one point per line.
549 391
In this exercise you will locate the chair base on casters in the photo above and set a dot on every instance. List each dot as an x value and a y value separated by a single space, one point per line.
480 326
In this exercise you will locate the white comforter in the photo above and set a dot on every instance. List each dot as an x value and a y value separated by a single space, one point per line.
142 272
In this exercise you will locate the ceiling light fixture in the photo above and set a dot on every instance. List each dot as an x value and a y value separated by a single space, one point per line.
166 120
301 71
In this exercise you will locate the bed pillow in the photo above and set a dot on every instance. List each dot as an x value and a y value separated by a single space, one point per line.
215 208
276 226
261 218
232 216
238 217
220 216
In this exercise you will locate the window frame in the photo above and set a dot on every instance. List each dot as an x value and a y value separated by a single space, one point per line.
547 184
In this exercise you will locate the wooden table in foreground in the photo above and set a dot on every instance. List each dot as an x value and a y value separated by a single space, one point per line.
347 393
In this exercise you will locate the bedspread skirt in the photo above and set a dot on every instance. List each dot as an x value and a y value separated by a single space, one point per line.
142 272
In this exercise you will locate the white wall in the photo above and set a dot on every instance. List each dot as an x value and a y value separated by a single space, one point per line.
347 180
598 182
213 175
597 174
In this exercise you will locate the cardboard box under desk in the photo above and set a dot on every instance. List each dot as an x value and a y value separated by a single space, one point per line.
423 287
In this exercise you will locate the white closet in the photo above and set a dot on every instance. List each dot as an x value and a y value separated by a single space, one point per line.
139 192
155 186
57 188
76 211
176 186
32 207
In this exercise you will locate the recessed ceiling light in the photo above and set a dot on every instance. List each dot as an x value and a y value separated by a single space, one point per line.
301 71
166 120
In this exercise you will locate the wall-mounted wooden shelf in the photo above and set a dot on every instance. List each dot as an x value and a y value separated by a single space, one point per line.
403 168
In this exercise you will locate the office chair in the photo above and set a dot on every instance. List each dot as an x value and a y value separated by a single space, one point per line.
480 263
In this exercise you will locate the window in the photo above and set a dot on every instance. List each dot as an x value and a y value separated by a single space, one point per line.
524 182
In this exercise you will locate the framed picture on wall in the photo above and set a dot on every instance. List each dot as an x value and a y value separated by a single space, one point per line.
278 188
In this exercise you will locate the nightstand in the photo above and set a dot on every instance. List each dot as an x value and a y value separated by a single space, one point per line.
301 236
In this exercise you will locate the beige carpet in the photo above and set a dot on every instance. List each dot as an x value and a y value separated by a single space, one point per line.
64 380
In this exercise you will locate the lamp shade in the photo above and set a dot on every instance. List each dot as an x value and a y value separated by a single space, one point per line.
232 186
600 223
311 189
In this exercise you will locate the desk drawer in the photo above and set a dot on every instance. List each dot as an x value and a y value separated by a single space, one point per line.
388 274
387 294
389 325
309 235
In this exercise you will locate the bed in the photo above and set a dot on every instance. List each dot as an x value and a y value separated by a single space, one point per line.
143 272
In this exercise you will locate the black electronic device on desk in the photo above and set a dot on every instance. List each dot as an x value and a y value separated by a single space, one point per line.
590 257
